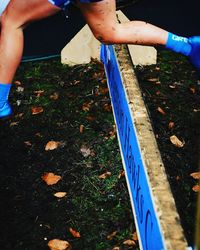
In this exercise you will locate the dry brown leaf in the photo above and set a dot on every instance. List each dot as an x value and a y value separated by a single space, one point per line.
129 243
193 90
116 248
57 244
39 93
171 125
196 188
122 174
104 81
107 107
20 89
60 194
105 175
28 143
85 150
86 106
195 175
81 129
18 83
12 124
90 118
51 145
153 80
174 140
54 96
172 86
19 115
103 90
112 235
38 134
160 110
36 110
135 236
51 178
74 233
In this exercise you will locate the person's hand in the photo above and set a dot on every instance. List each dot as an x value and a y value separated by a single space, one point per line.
194 55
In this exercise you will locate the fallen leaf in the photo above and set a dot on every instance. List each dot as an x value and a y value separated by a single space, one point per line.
54 96
174 140
103 90
28 143
196 110
90 118
195 175
57 244
153 80
39 93
51 178
160 110
85 150
38 134
60 194
196 188
107 107
104 81
19 115
86 106
172 86
12 124
112 235
20 89
193 90
129 243
171 125
116 248
74 233
51 145
122 174
81 128
135 236
105 175
18 83
36 110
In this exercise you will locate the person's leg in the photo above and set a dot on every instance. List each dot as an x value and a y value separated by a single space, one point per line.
16 16
101 17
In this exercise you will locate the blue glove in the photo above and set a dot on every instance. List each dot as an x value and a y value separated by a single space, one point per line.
194 55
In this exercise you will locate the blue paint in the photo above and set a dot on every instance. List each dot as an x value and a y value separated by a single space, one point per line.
150 234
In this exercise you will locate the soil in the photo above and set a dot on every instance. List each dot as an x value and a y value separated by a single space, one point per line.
71 107
171 91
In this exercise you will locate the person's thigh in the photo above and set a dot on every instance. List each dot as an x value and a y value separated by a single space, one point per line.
22 12
100 16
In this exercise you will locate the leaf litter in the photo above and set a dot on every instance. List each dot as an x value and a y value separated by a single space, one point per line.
76 198
177 130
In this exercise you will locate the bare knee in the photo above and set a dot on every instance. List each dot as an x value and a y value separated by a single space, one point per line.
8 22
108 36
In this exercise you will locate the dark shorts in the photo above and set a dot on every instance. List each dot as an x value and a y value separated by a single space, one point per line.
64 3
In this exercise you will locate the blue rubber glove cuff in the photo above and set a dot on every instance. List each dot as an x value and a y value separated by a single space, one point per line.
178 44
